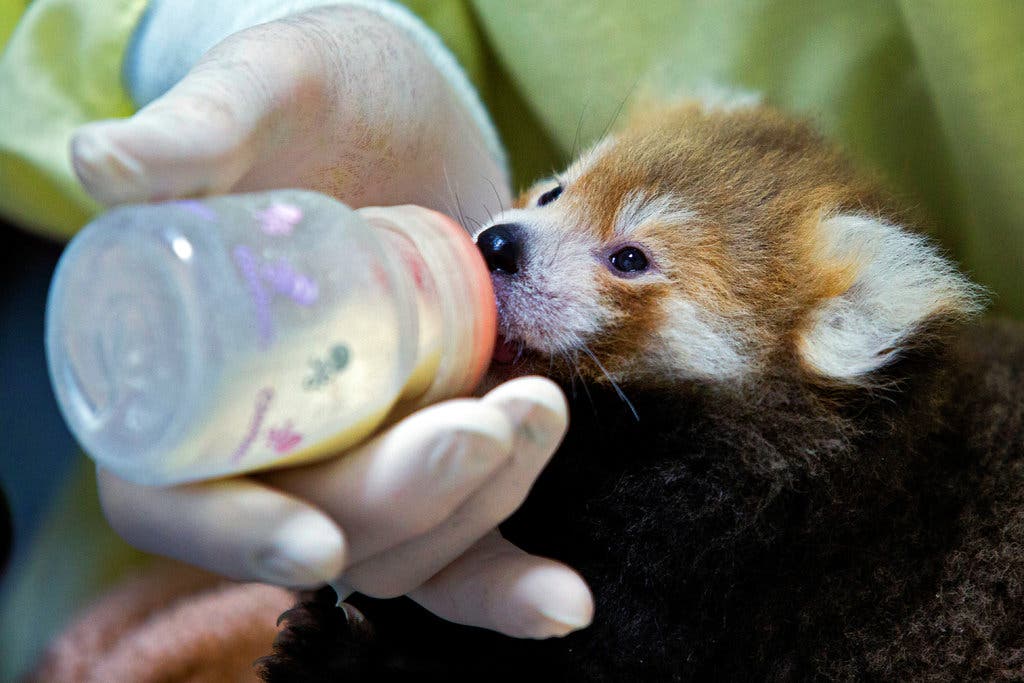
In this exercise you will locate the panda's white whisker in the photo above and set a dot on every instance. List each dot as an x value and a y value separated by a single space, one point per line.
583 382
618 389
501 204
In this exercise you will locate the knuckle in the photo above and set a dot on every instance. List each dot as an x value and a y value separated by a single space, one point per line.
404 521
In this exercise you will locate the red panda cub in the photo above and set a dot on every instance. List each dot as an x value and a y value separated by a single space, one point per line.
793 454
718 247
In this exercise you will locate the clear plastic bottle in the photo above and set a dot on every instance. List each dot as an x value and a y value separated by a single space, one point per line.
202 338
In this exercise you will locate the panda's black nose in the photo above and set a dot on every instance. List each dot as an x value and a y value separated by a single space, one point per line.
502 247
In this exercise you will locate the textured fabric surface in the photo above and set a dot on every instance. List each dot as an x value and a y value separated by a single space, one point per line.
171 623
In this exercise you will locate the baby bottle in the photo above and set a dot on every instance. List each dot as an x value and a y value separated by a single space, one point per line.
194 339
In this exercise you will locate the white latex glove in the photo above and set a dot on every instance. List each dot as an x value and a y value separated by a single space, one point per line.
343 101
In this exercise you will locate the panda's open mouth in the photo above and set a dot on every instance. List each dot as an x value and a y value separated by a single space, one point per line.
509 352
505 352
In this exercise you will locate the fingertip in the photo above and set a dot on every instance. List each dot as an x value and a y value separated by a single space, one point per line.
466 418
106 172
194 141
307 549
537 410
533 390
497 586
555 601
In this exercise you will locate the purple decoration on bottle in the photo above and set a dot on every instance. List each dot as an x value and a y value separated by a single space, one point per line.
197 208
286 280
279 218
246 262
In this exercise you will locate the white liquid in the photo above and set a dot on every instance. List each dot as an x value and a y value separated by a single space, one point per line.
294 401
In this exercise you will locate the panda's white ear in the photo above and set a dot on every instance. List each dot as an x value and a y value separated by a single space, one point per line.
711 98
721 99
898 280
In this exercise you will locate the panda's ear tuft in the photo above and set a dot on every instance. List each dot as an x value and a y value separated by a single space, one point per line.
721 99
649 102
898 283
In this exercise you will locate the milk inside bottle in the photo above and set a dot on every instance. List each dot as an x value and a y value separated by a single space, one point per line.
195 339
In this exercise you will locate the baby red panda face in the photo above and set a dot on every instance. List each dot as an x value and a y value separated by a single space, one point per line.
713 246
606 279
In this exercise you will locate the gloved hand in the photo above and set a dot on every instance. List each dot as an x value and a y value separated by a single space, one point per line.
344 101
412 511
365 107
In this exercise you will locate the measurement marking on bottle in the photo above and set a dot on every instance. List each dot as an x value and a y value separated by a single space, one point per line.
263 398
325 369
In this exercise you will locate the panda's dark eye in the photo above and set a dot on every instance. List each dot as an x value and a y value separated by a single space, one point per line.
629 260
549 196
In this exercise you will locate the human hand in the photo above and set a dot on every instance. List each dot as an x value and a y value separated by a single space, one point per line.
412 511
340 99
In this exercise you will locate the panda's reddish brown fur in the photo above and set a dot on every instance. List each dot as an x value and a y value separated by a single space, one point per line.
845 501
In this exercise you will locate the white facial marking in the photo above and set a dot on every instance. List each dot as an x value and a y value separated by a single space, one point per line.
698 344
552 303
640 207
901 280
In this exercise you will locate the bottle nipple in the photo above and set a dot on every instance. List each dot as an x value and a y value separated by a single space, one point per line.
463 286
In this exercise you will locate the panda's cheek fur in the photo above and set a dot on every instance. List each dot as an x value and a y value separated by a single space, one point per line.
635 316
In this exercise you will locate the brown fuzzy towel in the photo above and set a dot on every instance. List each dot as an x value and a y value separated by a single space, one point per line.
172 623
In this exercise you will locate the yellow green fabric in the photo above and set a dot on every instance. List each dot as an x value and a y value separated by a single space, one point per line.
974 63
10 11
929 92
60 68
532 154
